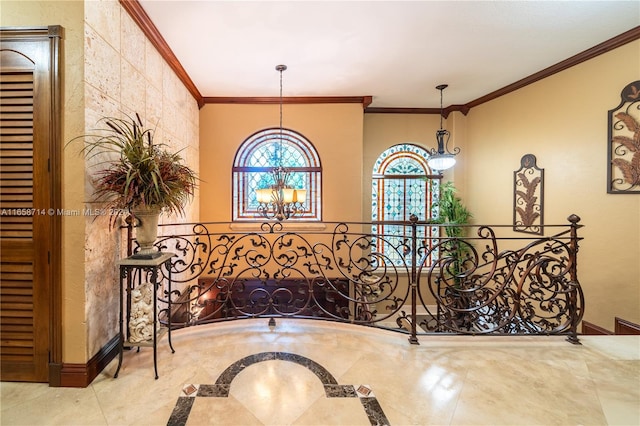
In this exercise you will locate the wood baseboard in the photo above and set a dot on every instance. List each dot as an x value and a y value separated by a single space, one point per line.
621 327
626 327
81 375
592 329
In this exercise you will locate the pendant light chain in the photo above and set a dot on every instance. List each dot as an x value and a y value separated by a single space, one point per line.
440 108
281 68
281 201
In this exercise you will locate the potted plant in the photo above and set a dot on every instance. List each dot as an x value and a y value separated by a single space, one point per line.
453 211
138 176
455 252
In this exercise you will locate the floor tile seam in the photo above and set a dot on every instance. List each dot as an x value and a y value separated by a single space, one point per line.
599 395
100 404
455 405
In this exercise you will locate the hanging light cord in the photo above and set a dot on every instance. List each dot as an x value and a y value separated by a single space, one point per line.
280 68
441 89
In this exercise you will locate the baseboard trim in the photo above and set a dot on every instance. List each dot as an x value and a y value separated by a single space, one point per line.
81 375
592 329
55 370
626 327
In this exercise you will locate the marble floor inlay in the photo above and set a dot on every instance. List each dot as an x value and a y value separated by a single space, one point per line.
318 373
220 389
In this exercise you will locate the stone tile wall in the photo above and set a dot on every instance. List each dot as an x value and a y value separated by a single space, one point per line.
125 74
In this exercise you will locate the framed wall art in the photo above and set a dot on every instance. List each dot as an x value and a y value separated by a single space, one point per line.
623 145
528 196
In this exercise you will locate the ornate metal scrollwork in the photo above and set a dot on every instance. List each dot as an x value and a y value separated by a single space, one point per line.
623 153
528 196
467 285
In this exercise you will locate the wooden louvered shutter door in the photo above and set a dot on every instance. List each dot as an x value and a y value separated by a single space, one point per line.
25 200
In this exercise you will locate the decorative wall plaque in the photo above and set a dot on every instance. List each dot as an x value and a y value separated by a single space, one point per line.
623 169
528 196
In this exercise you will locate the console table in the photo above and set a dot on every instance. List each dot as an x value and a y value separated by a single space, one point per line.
133 273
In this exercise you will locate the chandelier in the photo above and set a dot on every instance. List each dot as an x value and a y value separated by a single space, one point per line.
442 158
280 201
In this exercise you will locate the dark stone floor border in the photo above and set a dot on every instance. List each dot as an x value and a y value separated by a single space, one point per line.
220 389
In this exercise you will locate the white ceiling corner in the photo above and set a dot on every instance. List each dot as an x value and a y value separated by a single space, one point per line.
395 51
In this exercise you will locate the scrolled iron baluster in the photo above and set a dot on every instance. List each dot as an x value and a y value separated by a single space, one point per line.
576 297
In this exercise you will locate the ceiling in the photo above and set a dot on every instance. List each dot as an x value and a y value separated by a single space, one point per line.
395 51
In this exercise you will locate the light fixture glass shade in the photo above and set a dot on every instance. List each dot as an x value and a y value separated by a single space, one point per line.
264 195
300 196
441 161
287 195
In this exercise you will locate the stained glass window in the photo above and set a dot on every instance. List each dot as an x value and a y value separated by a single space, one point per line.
259 155
402 187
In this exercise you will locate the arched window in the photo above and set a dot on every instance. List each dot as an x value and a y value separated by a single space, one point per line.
403 184
256 159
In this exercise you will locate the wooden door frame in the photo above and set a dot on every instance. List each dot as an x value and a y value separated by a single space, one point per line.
52 34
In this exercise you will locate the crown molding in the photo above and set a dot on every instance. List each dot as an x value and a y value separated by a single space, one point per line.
445 111
392 110
364 100
604 47
140 17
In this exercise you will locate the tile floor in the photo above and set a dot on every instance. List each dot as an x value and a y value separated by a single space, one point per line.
320 373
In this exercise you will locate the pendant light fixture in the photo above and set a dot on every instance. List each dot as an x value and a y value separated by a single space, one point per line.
442 158
280 201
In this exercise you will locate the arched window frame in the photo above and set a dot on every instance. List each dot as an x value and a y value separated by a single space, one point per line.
426 186
297 154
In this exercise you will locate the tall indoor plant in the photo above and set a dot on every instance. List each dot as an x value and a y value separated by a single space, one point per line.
137 176
452 210
454 213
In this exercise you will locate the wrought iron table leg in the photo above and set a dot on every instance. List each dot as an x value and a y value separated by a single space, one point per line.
173 351
155 359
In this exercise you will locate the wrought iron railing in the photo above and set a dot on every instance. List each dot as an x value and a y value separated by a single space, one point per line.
492 281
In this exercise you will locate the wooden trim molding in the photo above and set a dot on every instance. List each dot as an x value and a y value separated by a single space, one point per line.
137 13
389 110
626 327
364 100
56 33
81 375
622 327
592 329
604 47
445 111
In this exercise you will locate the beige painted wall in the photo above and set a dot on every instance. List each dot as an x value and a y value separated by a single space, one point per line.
109 68
335 130
562 120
